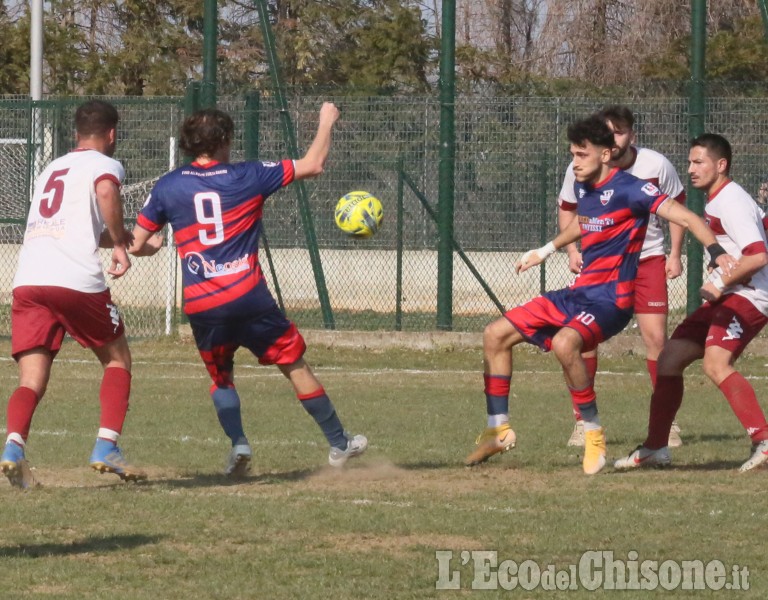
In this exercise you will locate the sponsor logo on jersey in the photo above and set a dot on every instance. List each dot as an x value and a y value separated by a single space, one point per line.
55 228
268 163
210 268
594 223
650 189
605 197
582 192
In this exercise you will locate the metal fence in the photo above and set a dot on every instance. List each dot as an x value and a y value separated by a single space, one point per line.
511 156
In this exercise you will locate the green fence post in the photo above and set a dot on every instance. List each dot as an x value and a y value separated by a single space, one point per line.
191 105
251 144
31 148
446 168
293 152
543 204
696 110
210 36
251 133
399 274
763 4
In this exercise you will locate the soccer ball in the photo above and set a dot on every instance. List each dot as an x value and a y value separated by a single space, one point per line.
359 214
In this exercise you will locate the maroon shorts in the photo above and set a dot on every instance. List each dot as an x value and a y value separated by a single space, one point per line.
651 286
731 324
40 315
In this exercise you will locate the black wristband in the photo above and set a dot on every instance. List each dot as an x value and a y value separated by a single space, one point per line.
715 250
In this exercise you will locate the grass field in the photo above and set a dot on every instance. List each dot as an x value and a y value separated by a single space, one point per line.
297 529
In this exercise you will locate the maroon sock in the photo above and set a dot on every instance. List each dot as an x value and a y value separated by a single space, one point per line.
651 365
741 396
21 408
114 393
665 402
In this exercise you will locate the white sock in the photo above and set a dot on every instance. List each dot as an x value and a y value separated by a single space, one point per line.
496 420
108 434
15 438
592 425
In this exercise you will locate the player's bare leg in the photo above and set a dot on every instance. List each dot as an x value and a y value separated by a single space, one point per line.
115 391
315 401
567 345
34 373
499 338
653 332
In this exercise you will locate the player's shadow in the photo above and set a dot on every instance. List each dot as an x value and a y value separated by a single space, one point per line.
95 544
198 480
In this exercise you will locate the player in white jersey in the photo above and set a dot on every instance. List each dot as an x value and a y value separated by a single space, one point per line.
60 288
651 299
735 311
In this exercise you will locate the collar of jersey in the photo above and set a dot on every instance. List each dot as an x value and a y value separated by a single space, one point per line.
610 175
197 165
717 191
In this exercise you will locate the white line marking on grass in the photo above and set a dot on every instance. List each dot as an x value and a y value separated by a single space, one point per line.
268 371
62 433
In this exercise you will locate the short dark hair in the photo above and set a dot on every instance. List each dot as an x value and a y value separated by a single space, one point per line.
717 146
95 117
205 132
593 129
618 114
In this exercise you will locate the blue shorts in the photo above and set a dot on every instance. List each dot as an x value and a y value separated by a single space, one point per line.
269 336
540 319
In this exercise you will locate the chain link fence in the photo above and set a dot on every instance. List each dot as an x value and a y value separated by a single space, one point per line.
511 155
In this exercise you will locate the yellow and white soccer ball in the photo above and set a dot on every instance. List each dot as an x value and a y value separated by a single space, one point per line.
359 214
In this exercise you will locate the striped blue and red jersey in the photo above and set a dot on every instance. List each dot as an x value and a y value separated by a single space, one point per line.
613 216
215 211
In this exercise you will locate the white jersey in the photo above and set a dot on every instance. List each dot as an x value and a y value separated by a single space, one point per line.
648 165
737 222
61 243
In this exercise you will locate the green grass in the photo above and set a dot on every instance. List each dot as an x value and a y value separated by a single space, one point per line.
296 529
369 320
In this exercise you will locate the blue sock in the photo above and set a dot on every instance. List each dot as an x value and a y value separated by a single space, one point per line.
227 404
324 414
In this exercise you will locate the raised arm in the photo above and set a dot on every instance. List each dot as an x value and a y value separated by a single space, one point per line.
313 162
111 208
675 212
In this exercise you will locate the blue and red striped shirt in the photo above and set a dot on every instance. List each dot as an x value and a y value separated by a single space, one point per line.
215 211
613 216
